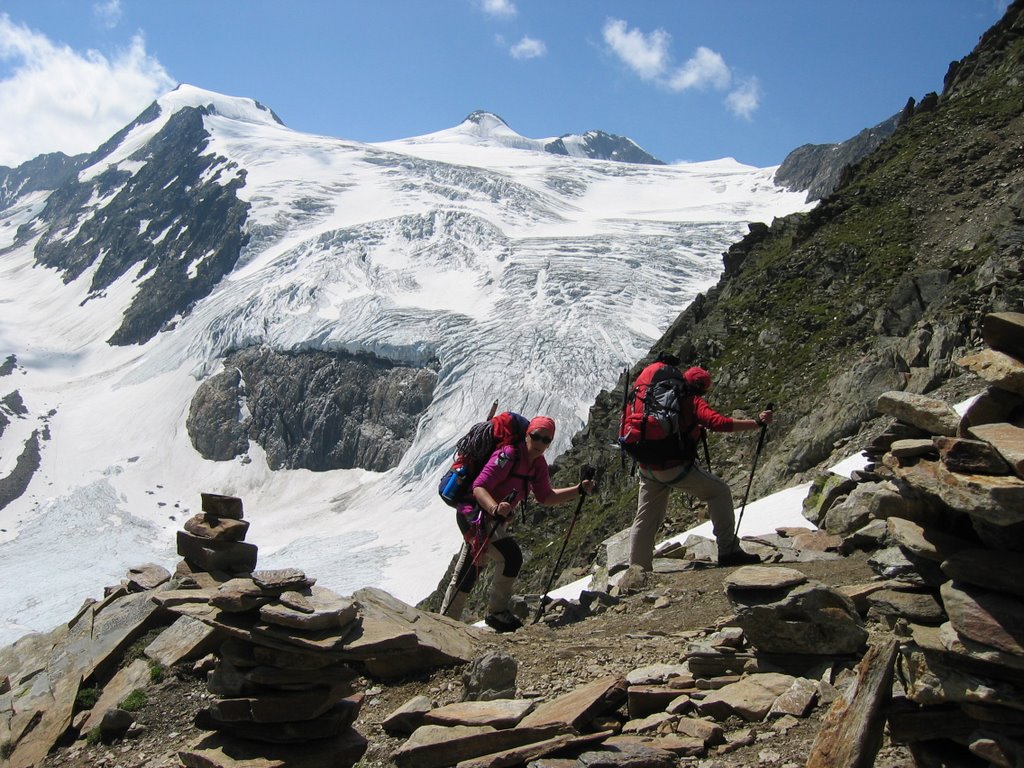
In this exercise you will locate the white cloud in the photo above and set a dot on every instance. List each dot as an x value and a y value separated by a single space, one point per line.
705 69
108 12
59 99
745 99
647 55
528 48
502 8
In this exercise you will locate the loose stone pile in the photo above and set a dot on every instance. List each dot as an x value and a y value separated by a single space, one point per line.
950 492
287 675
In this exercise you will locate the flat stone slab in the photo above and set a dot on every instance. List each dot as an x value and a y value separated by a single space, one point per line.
434 746
326 610
408 717
924 542
184 640
499 713
990 568
997 368
219 751
221 506
910 448
936 417
751 698
763 577
996 499
1007 439
128 679
579 707
985 617
1004 331
282 580
142 578
207 526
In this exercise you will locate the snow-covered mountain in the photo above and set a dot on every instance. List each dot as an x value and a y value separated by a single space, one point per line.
215 302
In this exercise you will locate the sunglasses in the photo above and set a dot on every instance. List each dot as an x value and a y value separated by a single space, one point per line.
541 438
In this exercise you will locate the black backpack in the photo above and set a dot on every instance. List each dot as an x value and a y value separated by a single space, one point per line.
474 449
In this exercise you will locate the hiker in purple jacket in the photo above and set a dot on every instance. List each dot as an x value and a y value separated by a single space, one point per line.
502 485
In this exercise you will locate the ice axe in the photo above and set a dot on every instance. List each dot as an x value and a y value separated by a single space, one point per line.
586 473
753 466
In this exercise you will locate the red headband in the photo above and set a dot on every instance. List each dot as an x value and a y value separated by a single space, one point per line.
542 422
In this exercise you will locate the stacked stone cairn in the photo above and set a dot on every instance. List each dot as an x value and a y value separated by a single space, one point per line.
279 696
288 672
944 500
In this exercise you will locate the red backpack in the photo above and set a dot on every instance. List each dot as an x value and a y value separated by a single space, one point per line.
474 449
658 417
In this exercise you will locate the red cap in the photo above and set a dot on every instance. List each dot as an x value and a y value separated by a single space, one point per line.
698 378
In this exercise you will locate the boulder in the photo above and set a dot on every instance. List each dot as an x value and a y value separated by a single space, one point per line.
970 456
935 417
807 618
1004 332
491 676
751 698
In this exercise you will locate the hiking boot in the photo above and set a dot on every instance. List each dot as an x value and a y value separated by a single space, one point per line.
504 621
739 557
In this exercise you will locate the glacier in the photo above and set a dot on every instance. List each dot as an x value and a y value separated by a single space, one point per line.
530 278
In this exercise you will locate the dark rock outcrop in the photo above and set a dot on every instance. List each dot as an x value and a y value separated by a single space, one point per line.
819 168
310 410
177 220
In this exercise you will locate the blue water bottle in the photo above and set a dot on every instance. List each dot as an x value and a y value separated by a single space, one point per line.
451 488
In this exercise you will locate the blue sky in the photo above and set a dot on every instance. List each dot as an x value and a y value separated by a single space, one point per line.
686 79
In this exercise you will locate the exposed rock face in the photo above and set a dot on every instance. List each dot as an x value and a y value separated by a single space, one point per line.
310 410
819 168
43 172
599 145
177 219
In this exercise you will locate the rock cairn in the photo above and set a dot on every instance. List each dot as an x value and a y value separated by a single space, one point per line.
944 500
214 540
287 676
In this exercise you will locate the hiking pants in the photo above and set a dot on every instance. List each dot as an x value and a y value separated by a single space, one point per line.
502 550
655 486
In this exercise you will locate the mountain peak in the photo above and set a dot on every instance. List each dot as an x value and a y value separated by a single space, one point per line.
484 118
233 107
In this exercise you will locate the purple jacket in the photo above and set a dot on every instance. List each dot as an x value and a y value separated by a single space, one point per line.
506 482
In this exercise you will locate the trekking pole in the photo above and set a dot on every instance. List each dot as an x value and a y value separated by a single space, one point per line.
622 413
586 473
707 453
753 466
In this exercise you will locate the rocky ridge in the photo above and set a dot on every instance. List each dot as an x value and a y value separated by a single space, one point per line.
913 664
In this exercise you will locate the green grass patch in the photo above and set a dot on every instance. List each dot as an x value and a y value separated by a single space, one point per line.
134 701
